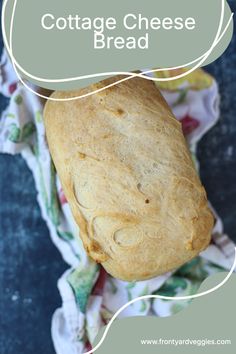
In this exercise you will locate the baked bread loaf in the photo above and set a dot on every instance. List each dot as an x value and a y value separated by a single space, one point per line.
129 178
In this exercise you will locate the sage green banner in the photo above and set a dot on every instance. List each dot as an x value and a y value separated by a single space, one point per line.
207 325
58 39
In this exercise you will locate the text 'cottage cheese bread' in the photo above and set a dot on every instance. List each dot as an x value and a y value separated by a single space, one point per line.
129 179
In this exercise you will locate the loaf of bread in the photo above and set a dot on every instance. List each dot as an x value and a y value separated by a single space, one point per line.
129 178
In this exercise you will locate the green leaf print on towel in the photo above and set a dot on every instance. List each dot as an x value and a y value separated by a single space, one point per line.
198 269
38 117
144 303
182 96
28 130
17 135
172 286
193 269
129 287
191 289
114 288
82 282
14 134
54 207
18 99
65 235
11 115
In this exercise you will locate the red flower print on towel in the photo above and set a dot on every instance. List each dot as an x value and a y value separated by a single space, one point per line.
189 124
99 285
62 197
12 87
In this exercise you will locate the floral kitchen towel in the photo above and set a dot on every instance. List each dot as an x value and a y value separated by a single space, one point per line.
90 296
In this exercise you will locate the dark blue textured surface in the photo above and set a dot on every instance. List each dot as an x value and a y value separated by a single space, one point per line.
217 150
30 264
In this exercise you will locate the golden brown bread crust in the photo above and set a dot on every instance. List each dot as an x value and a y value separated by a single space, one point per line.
129 178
